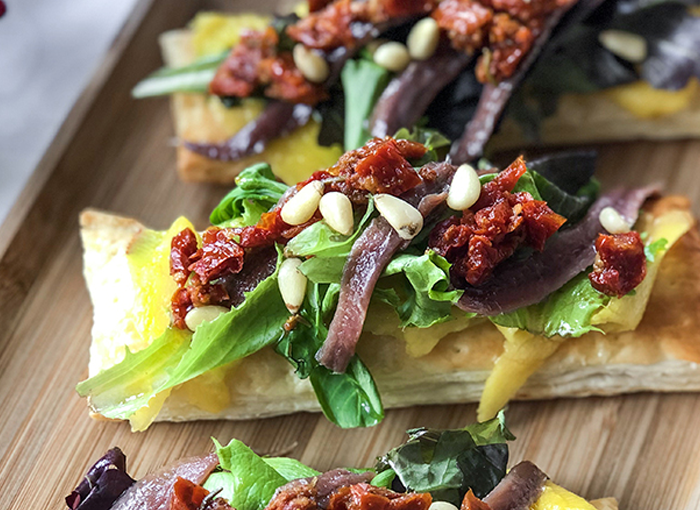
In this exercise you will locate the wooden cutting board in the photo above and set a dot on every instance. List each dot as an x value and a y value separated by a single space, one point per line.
114 153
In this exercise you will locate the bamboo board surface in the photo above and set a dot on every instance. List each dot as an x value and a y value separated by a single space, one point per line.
114 154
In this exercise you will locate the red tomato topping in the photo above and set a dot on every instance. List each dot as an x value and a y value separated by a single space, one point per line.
471 502
381 166
466 23
331 27
187 495
363 496
509 41
180 304
621 264
497 225
255 63
220 254
182 248
504 29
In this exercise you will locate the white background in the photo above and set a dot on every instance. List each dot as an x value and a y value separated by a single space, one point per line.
49 49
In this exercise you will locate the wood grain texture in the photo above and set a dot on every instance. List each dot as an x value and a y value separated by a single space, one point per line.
643 449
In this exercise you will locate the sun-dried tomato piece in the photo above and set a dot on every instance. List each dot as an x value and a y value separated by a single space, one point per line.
180 304
363 496
509 41
328 28
182 247
386 170
220 254
504 181
381 166
254 63
286 82
526 10
466 23
494 228
621 264
471 502
540 222
239 74
332 26
187 495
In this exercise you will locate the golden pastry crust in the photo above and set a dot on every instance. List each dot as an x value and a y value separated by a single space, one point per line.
662 354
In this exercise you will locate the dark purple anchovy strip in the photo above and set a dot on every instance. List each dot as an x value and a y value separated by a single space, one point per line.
519 489
369 256
153 492
277 119
407 97
516 284
495 97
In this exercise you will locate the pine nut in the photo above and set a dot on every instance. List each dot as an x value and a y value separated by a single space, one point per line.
392 56
626 45
292 284
402 216
465 189
612 221
441 505
312 65
302 206
201 314
336 209
423 39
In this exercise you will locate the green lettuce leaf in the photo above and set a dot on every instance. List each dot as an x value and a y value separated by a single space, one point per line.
248 482
350 399
327 250
191 78
290 469
437 144
257 191
566 312
572 207
121 390
447 463
428 298
363 83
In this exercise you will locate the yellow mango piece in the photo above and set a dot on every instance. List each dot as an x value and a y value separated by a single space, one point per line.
148 257
646 102
524 353
296 156
624 314
214 32
144 416
555 497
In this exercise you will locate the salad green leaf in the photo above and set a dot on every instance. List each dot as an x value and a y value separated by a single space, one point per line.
191 78
363 83
566 312
327 250
447 463
350 399
123 389
257 191
572 207
428 296
247 481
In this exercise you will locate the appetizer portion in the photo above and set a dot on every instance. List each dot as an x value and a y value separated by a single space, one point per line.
435 469
393 273
291 90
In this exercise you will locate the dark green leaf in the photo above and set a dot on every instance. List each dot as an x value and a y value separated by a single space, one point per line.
363 83
257 190
447 463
